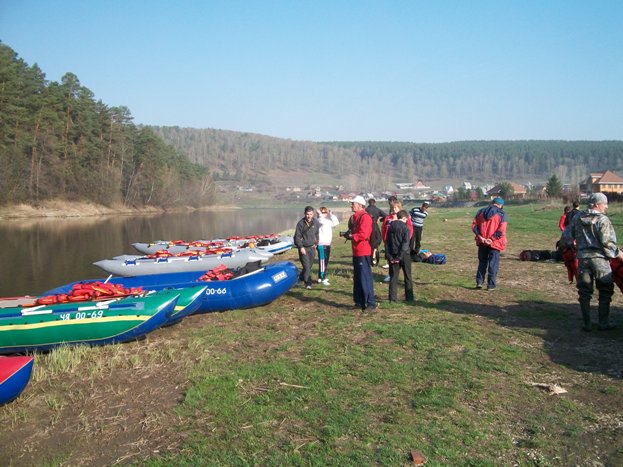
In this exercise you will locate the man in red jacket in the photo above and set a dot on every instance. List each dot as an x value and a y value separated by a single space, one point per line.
489 226
363 286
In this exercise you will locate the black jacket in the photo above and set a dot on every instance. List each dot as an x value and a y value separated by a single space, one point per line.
397 241
306 235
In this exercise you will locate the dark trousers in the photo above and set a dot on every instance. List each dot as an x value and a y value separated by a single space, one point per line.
488 259
599 271
416 242
324 253
307 261
363 286
394 273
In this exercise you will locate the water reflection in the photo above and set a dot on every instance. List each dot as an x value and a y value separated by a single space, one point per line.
37 255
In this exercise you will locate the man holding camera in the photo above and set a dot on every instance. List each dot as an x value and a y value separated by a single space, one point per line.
363 286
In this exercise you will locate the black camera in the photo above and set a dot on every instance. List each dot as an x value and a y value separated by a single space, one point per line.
347 234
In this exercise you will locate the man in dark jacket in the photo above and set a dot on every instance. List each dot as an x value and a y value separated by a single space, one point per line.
375 240
571 214
596 245
489 226
306 239
398 255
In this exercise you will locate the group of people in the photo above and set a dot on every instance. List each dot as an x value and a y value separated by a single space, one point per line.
399 232
587 236
589 246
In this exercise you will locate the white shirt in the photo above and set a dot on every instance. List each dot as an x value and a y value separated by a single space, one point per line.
325 233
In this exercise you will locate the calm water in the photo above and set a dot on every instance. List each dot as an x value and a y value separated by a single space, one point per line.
37 255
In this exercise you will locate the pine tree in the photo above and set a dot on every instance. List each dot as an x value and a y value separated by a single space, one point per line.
554 187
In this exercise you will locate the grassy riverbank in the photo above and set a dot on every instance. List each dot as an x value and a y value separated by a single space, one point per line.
461 376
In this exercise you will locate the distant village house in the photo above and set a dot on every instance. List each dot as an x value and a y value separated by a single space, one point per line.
519 191
602 182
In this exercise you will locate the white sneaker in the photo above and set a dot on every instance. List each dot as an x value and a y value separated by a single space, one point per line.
385 266
325 282
319 280
387 279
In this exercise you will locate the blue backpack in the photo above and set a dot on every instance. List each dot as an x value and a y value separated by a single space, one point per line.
437 258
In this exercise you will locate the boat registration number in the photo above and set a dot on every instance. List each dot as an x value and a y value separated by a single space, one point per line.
279 276
82 315
219 291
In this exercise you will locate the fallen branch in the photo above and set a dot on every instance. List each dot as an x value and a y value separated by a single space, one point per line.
293 386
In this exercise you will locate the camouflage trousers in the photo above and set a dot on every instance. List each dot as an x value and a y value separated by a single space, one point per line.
595 270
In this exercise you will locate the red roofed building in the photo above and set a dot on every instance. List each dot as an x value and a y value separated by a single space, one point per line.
603 182
519 191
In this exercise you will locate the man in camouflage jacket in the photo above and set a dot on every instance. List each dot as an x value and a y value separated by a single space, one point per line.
596 244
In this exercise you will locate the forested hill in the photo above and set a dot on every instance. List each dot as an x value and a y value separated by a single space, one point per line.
58 142
245 157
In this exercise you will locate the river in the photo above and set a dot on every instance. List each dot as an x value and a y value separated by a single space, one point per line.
39 254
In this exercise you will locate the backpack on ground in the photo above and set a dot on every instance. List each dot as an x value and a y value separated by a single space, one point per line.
436 258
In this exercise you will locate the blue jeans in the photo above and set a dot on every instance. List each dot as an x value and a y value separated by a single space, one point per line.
488 258
363 285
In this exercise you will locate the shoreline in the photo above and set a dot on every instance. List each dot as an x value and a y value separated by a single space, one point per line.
58 209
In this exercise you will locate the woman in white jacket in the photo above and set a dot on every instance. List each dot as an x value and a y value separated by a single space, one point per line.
327 221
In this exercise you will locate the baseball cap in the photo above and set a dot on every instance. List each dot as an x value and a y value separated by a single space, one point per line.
598 198
358 199
499 201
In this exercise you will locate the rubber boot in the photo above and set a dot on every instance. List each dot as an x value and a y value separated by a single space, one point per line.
604 312
585 307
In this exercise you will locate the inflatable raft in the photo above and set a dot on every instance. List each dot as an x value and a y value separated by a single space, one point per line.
43 327
127 265
251 286
273 244
14 376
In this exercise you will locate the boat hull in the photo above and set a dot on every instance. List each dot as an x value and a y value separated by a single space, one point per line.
131 266
251 290
279 245
94 323
14 376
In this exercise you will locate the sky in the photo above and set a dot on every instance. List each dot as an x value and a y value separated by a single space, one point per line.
340 70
